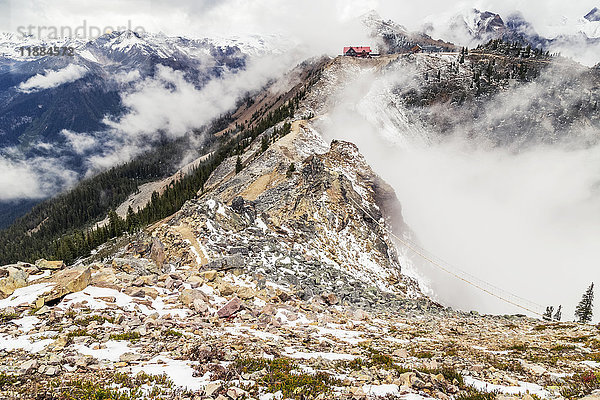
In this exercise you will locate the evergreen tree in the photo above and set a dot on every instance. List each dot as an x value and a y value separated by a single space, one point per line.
548 314
558 314
290 170
238 165
584 312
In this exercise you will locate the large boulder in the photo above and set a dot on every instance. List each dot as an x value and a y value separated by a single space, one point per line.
11 278
53 265
230 308
63 282
188 296
136 266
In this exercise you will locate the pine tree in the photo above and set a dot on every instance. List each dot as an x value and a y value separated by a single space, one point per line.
548 314
238 165
291 170
558 314
584 312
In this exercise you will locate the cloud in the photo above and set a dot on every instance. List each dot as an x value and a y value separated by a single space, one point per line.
167 104
51 79
18 181
127 77
36 178
80 142
521 213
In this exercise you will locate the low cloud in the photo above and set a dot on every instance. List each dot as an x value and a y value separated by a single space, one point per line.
169 105
80 142
51 79
33 179
521 214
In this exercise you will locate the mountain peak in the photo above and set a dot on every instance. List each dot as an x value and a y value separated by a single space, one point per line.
593 15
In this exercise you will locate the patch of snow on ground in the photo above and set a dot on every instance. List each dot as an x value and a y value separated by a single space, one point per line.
44 274
178 371
380 390
112 350
92 296
26 323
525 387
24 342
351 337
25 295
592 364
259 222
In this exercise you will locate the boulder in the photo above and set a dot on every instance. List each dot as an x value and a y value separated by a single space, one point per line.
210 275
28 366
211 388
406 379
331 299
105 278
195 280
225 289
230 308
157 252
63 282
136 266
200 306
245 293
11 279
188 296
130 357
53 265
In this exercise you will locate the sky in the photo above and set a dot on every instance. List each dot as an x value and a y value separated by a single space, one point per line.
307 21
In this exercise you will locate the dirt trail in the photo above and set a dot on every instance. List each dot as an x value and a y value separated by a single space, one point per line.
187 233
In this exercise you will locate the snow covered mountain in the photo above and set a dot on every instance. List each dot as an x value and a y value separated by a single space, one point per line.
392 37
593 16
578 39
466 28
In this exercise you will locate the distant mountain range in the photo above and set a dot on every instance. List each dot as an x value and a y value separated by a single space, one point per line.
55 110
88 84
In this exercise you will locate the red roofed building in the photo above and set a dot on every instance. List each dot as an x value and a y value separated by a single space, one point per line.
357 51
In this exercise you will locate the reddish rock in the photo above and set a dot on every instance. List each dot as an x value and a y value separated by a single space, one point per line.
331 299
230 308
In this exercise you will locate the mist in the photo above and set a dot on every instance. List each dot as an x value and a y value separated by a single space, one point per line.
524 218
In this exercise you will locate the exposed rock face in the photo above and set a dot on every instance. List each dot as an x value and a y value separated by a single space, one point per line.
317 230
